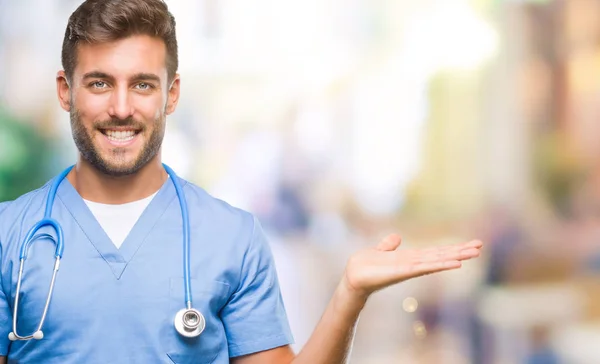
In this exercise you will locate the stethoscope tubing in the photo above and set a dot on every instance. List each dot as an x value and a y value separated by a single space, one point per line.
47 220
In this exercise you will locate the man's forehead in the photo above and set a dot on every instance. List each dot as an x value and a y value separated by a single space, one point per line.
124 57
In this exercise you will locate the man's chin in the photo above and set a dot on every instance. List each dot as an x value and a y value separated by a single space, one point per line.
118 169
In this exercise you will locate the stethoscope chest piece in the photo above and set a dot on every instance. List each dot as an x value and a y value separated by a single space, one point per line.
189 322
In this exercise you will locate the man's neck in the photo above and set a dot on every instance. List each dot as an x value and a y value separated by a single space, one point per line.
95 186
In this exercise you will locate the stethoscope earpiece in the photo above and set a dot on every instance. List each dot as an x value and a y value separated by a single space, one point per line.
38 335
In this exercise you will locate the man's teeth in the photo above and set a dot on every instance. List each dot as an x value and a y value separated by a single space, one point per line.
120 136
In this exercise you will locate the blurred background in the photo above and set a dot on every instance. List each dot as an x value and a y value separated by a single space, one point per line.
338 122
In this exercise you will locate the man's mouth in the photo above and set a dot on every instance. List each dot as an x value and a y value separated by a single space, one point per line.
120 136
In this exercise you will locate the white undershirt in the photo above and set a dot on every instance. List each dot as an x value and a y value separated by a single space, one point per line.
118 220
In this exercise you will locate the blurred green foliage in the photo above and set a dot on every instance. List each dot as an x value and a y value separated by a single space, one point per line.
25 157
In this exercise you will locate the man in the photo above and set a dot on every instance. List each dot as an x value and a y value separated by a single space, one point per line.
122 281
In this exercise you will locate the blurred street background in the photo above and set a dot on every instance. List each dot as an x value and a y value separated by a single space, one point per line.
338 122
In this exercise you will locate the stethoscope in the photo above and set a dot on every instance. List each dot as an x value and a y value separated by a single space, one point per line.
189 322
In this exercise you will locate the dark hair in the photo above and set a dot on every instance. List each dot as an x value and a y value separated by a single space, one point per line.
99 21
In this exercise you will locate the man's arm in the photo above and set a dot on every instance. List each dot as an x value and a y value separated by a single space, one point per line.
366 272
2 360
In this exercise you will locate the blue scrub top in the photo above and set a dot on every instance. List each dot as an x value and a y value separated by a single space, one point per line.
118 305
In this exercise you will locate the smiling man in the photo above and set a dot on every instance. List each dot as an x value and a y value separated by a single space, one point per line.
155 270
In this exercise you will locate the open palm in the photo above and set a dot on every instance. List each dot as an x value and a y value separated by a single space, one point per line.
375 268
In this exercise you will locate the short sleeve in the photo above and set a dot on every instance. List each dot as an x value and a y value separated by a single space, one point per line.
5 314
255 318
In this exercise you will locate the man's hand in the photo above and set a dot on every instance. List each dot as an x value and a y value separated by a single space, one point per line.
367 271
375 268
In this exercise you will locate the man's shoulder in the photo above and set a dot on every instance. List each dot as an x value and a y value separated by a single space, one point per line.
11 209
199 195
218 209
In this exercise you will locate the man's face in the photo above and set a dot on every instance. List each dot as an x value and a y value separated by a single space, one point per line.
118 100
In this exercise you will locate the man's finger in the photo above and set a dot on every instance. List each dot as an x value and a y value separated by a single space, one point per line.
442 254
473 244
389 243
433 267
466 245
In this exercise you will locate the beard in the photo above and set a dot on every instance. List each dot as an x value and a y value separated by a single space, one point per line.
116 163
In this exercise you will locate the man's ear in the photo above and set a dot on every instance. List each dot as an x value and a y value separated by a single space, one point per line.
173 95
63 90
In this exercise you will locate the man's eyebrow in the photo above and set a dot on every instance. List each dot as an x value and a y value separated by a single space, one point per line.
142 76
97 74
145 77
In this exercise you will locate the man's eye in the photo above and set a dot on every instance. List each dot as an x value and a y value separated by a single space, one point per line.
98 84
143 86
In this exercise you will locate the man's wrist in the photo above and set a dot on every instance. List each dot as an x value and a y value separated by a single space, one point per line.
348 299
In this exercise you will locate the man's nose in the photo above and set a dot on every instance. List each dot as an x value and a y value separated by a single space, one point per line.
120 104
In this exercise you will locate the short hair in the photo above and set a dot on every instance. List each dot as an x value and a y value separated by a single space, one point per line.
99 21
